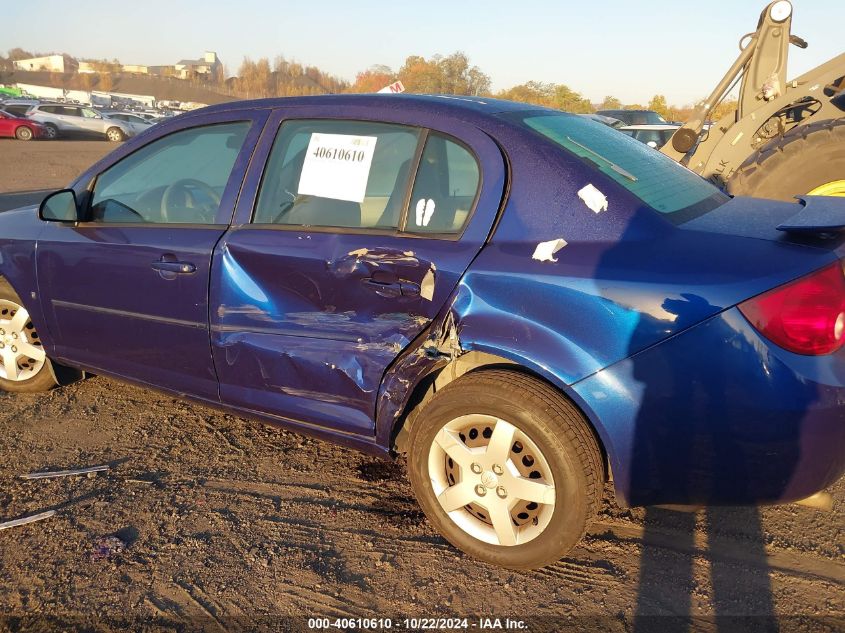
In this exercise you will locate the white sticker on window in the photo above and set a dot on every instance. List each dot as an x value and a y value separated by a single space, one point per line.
337 166
425 209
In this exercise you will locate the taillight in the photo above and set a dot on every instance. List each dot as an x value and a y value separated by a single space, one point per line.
806 316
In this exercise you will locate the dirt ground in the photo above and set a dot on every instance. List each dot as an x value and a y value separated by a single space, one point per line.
230 525
25 166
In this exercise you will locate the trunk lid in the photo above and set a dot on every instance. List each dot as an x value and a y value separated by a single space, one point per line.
813 221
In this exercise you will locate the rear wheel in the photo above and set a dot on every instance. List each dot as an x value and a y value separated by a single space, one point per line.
23 133
505 468
51 131
809 159
24 366
114 134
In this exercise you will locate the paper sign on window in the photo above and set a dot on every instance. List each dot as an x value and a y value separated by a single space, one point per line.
337 166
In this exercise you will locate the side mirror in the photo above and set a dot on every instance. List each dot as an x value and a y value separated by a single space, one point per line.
59 206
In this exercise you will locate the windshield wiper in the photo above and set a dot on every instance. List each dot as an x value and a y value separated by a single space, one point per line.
610 163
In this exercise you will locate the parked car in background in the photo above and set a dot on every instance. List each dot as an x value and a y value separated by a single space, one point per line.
655 136
136 123
19 107
606 120
635 117
62 119
148 116
20 128
526 303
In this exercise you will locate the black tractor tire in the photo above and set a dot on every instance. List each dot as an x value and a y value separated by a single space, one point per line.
560 432
796 163
45 379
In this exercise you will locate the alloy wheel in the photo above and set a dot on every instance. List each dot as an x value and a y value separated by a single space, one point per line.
492 480
21 354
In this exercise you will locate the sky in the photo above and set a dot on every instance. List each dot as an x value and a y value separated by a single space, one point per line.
631 50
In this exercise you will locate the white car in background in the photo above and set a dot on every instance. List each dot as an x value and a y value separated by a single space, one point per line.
655 136
136 123
63 119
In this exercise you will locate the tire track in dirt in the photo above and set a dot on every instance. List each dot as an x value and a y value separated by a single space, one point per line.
785 562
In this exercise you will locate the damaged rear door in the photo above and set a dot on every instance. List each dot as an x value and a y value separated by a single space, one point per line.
349 237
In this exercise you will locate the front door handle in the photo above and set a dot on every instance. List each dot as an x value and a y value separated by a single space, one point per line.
182 268
169 267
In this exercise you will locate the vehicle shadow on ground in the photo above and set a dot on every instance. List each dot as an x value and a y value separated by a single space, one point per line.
740 592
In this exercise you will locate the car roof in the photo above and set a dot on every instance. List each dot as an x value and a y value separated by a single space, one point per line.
444 104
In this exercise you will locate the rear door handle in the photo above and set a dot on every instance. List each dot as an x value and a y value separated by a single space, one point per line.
384 288
184 268
393 288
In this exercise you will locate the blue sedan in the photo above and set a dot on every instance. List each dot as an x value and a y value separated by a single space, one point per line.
524 302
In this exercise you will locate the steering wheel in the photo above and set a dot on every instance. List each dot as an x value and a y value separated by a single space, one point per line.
184 187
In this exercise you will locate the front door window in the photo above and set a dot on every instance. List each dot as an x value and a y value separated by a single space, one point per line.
178 179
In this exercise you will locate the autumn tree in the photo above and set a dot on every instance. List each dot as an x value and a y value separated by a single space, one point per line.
86 81
658 104
218 77
550 95
723 109
566 99
610 103
105 82
530 92
248 78
373 79
443 75
19 53
283 79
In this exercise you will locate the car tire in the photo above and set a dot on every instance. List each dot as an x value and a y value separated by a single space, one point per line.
115 134
23 133
31 374
527 498
51 131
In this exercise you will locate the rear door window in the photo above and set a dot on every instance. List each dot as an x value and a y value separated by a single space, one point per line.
357 174
348 174
445 187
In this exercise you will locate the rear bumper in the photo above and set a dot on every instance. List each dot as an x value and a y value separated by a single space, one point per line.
719 415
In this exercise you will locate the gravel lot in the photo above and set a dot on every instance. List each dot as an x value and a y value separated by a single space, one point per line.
46 164
232 525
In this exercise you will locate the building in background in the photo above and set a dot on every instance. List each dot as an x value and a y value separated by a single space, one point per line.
205 67
50 63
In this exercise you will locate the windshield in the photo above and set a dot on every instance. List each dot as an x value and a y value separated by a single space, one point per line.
657 180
